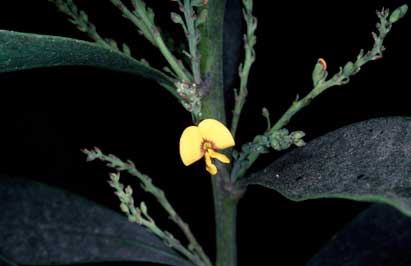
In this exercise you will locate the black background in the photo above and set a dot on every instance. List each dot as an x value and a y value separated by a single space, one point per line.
48 115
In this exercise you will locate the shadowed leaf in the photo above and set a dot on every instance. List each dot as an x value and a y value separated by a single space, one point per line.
7 262
40 225
21 51
379 236
366 161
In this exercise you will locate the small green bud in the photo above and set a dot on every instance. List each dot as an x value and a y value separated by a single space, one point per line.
115 177
124 208
348 69
398 13
259 139
126 49
132 219
129 191
319 72
111 183
280 140
265 112
176 18
297 135
283 132
143 208
299 143
275 145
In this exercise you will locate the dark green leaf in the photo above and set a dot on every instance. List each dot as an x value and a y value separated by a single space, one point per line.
20 51
6 262
366 161
380 236
40 225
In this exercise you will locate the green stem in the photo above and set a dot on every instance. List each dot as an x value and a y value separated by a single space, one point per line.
340 78
134 19
225 203
226 226
192 41
198 257
169 56
152 34
80 19
177 67
249 58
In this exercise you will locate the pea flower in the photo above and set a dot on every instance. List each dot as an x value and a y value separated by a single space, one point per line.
203 140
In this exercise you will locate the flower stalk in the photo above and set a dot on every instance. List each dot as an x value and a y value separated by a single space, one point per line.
198 256
250 40
143 18
80 19
321 84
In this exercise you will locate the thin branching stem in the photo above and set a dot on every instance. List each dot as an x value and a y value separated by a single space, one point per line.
144 21
140 215
247 158
192 36
244 69
80 19
148 186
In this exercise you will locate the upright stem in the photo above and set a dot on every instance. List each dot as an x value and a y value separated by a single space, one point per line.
225 204
226 225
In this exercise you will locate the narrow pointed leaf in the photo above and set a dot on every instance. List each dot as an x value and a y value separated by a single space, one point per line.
366 161
379 236
21 51
41 225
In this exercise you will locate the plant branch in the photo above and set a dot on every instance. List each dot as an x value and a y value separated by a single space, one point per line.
148 186
83 24
252 150
244 69
140 215
143 18
137 21
193 39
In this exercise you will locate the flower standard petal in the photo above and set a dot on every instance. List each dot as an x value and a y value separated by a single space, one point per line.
217 133
190 145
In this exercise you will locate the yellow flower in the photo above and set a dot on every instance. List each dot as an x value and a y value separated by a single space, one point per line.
203 140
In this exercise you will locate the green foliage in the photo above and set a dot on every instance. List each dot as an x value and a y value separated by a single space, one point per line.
198 85
378 236
21 51
48 226
7 262
366 161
